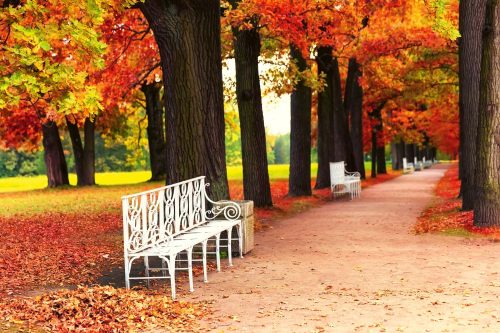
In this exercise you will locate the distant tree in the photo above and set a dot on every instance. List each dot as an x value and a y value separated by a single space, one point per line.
281 150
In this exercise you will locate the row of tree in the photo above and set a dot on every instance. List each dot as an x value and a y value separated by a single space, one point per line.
479 49
361 74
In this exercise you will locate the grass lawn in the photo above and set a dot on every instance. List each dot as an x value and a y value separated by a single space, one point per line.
17 184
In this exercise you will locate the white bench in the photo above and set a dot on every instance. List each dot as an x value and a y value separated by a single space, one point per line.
418 165
427 164
171 220
342 181
407 167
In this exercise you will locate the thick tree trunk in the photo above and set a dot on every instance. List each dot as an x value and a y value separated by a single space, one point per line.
188 36
353 103
256 185
299 182
155 130
487 202
342 145
471 23
84 153
325 119
55 162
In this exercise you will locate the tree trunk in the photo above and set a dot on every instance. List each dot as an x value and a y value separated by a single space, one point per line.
487 202
376 118
353 103
84 152
409 152
88 154
381 167
342 145
401 153
155 130
394 156
77 145
188 36
374 152
55 162
471 23
325 118
299 182
256 185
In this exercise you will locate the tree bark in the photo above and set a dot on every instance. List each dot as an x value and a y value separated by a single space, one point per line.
376 117
88 154
401 153
342 145
353 103
155 130
256 184
409 152
394 156
188 36
84 153
325 118
487 202
374 152
55 162
77 145
471 22
299 182
381 167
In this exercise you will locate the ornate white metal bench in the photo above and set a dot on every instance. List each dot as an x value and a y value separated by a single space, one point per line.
342 181
171 220
407 167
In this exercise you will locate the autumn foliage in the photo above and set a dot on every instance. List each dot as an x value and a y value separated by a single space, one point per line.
446 214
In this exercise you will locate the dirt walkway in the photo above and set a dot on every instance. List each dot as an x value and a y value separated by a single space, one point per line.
353 266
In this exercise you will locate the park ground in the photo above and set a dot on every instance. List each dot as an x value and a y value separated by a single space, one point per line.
366 265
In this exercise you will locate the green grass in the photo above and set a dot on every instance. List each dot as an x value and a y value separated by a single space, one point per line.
29 195
17 184
458 232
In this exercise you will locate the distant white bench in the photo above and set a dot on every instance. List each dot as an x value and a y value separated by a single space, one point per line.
427 164
171 220
407 167
343 181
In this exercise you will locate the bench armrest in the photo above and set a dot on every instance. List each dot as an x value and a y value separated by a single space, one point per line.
230 209
353 174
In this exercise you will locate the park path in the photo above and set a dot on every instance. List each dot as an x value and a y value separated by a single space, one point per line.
354 266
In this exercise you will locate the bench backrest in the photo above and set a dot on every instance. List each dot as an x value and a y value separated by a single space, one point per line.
158 215
337 173
405 164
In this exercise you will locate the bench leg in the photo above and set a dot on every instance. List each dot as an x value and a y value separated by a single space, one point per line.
146 270
190 268
171 272
240 238
217 251
127 273
164 267
229 248
204 247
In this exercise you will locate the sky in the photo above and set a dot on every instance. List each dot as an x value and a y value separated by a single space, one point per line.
276 109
